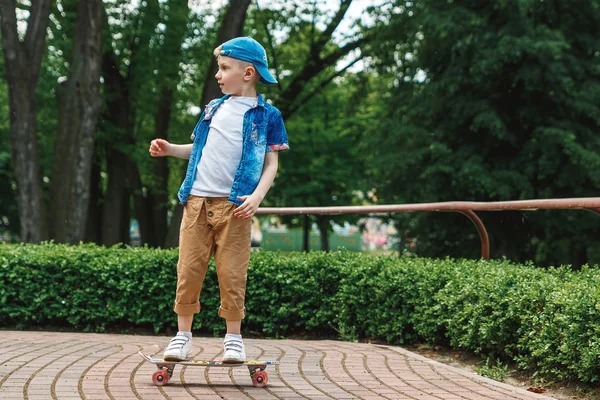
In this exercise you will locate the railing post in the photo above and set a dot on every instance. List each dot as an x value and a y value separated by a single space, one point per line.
483 235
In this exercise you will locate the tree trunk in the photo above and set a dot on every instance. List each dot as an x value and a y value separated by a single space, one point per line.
232 26
142 204
124 178
79 103
93 227
26 167
115 212
23 62
306 233
159 197
323 224
579 257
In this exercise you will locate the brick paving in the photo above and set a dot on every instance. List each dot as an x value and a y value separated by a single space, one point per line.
48 365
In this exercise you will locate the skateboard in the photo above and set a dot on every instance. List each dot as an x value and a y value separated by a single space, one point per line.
165 368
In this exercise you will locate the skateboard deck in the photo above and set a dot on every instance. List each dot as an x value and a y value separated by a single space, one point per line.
165 368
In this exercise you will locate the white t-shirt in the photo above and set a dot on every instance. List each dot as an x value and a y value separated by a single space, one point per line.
223 150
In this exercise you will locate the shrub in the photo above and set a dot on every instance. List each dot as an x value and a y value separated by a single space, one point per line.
547 320
86 287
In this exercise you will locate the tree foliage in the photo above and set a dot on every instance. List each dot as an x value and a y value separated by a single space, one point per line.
418 101
494 101
325 166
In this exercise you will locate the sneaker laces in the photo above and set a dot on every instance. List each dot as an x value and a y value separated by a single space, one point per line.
233 344
178 342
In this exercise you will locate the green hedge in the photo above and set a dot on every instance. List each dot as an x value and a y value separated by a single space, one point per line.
547 320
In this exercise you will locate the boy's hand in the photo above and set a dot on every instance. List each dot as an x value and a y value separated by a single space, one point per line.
248 208
159 148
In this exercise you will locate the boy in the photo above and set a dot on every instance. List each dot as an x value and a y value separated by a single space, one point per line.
232 164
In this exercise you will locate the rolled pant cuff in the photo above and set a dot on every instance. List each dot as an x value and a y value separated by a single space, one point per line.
230 315
186 309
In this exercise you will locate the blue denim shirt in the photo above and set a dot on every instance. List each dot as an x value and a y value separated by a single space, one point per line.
263 131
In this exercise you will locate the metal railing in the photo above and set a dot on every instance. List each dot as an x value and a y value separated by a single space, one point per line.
467 208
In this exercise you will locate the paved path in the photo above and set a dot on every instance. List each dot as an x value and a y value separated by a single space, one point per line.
45 365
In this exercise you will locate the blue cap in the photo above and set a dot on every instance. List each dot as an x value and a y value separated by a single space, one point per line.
249 50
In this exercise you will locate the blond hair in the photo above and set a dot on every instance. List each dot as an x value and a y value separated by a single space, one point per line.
217 53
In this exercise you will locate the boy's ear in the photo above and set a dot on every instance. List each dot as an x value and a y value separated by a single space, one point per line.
249 73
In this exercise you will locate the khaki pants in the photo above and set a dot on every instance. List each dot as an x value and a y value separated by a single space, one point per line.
209 227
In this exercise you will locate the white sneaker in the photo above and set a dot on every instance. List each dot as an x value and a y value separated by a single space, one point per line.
234 351
179 349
